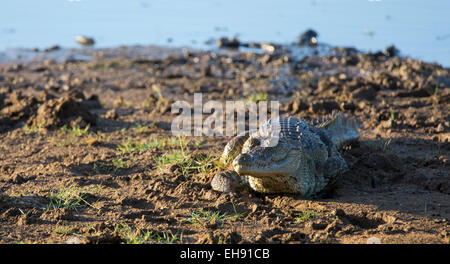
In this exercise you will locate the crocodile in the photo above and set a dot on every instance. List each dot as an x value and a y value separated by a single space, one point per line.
288 155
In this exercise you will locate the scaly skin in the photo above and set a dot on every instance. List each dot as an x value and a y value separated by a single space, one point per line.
305 160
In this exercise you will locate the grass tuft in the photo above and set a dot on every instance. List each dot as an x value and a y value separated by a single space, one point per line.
76 131
259 96
202 217
71 197
144 236
304 216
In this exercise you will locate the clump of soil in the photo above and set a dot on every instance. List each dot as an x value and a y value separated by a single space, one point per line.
70 109
47 111
16 107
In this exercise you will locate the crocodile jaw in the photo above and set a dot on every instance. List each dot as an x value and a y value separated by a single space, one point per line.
250 165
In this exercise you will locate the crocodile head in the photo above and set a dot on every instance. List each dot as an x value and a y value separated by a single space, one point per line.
260 158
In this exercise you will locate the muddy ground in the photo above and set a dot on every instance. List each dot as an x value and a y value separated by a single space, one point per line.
86 153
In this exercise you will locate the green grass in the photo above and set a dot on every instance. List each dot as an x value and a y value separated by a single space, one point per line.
426 212
112 64
259 96
76 131
131 147
33 129
167 158
93 138
304 216
140 128
70 197
202 217
111 167
157 96
120 102
392 115
186 164
74 134
175 153
200 164
197 144
119 163
63 230
143 237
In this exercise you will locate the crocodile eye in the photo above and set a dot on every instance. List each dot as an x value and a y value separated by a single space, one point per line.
250 144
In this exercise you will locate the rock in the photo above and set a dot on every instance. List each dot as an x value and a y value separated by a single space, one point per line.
269 48
73 240
391 51
52 48
85 41
373 240
254 208
233 43
308 38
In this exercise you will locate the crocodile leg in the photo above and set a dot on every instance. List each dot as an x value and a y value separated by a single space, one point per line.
229 181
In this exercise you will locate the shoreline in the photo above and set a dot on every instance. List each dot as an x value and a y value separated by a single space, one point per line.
58 53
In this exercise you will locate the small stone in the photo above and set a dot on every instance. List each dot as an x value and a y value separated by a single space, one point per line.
73 240
228 43
254 208
52 48
268 48
85 41
373 240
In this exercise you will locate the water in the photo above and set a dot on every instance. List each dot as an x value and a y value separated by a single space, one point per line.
419 28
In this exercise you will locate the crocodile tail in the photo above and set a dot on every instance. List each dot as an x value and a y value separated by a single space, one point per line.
340 129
